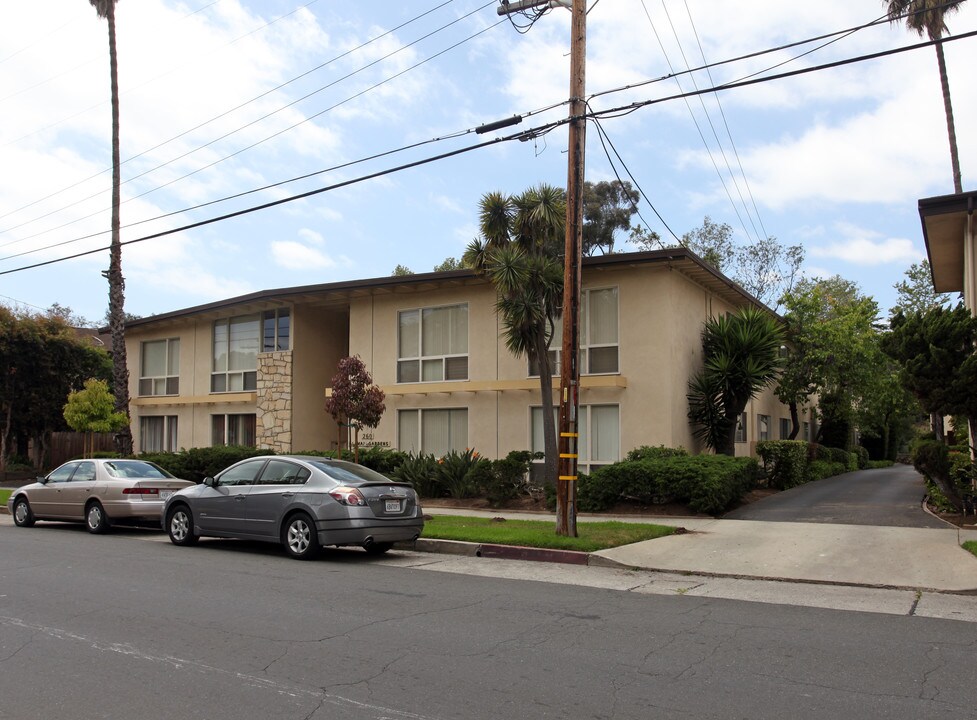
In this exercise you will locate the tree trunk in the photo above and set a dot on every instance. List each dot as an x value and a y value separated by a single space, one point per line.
936 421
120 370
356 444
950 128
795 420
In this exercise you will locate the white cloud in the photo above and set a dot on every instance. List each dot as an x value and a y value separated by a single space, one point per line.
296 256
866 247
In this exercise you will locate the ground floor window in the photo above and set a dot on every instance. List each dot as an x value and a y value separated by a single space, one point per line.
762 427
600 435
741 428
158 433
234 429
785 428
433 431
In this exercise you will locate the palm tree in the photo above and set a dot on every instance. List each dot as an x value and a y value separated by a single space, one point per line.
741 355
120 371
521 252
929 16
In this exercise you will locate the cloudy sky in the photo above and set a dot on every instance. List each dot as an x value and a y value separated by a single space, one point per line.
221 99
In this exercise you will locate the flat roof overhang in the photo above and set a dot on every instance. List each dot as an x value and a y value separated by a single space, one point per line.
944 220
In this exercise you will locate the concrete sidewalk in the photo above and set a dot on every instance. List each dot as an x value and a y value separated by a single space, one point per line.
856 555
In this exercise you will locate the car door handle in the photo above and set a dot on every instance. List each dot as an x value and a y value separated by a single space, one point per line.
239 498
288 494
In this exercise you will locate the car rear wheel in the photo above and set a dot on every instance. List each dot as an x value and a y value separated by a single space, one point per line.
300 538
179 526
95 519
378 548
23 515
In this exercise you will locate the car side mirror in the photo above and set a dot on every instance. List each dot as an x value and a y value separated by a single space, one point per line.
41 479
210 482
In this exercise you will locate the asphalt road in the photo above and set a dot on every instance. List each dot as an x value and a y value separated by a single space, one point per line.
889 497
127 626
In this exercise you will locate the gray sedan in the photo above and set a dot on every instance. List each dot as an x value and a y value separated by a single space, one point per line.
99 492
303 502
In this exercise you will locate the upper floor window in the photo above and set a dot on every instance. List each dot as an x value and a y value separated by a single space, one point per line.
236 343
276 330
432 344
159 367
598 331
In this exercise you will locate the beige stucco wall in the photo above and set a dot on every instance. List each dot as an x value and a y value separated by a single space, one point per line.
661 313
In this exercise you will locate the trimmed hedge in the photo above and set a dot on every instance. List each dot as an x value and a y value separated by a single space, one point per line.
820 469
785 462
648 452
706 483
197 463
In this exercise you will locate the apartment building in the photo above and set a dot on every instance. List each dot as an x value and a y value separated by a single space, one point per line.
255 369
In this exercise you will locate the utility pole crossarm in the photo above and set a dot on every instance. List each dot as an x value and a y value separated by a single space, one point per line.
507 8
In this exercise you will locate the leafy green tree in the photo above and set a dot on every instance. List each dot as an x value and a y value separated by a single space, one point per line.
886 411
355 401
92 410
449 263
830 340
741 356
607 208
713 242
935 350
41 361
521 252
645 239
929 17
120 370
402 270
916 292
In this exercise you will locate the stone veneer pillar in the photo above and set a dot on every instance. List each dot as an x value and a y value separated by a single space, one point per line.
274 402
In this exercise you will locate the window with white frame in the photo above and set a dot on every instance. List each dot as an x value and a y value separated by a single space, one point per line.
598 334
159 367
762 427
785 428
236 344
158 433
434 431
432 344
599 430
237 429
741 428
276 330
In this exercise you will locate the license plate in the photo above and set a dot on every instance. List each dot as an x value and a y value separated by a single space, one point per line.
163 494
391 506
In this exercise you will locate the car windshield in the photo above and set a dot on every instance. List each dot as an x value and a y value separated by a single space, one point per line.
135 469
347 472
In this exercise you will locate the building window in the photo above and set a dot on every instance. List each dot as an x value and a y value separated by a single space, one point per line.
599 441
276 330
741 428
159 367
432 344
598 335
236 343
433 432
233 429
785 428
158 433
762 427
806 432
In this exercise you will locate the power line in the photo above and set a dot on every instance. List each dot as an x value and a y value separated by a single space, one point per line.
254 122
525 135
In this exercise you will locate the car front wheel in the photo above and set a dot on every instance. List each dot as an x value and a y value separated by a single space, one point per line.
300 538
23 515
179 526
96 519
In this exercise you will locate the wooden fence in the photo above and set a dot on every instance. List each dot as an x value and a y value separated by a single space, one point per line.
66 446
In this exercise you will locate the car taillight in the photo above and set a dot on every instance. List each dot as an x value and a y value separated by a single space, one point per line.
140 491
348 496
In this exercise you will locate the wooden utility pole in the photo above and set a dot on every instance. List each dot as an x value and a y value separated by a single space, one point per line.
566 489
566 486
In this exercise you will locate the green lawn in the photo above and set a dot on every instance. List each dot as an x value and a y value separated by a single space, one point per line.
4 494
971 545
540 533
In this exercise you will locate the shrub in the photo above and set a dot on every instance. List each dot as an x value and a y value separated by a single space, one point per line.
458 473
647 452
380 459
508 478
862 455
818 452
785 462
707 483
820 469
421 472
879 464
197 463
